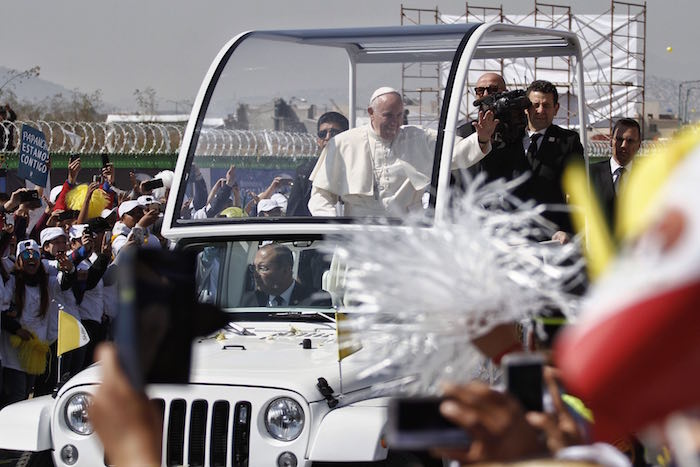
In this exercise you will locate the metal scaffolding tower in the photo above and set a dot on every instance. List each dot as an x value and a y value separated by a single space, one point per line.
421 83
620 37
550 16
616 95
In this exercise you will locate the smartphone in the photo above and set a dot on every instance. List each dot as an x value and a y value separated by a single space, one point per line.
152 184
105 160
523 377
67 215
96 178
159 316
29 195
98 225
415 423
73 157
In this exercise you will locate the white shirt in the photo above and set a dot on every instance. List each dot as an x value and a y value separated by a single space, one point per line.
614 166
29 320
92 306
527 141
377 177
60 299
121 234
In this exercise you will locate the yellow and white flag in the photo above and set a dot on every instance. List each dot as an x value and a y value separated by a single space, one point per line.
71 334
347 344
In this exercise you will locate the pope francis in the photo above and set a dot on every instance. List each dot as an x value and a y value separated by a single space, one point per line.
383 168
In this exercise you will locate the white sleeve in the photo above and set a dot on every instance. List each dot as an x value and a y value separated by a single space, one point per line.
118 243
322 202
467 151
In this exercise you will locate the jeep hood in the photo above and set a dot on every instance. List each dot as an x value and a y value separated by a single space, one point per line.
273 355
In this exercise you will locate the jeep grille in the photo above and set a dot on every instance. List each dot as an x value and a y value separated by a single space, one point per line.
191 431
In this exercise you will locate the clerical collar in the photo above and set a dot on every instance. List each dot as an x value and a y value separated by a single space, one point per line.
373 133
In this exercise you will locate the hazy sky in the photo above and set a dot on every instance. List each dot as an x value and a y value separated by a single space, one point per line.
119 46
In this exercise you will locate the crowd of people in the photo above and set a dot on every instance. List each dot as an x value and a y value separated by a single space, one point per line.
60 252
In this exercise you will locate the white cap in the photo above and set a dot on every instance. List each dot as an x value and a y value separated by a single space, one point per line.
281 200
381 91
145 200
278 200
76 231
55 191
127 206
27 245
51 233
107 212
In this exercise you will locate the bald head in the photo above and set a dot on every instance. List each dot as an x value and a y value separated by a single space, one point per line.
489 83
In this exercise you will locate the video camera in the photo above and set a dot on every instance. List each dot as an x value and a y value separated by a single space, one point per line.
508 107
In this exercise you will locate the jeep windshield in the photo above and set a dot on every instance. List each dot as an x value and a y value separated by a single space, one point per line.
275 99
265 279
252 153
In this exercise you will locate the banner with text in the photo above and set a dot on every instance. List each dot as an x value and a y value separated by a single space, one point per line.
33 156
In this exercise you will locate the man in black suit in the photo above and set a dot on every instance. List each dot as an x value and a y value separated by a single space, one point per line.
548 149
607 176
543 151
274 282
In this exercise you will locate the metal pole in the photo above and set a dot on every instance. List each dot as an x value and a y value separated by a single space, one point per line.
58 365
687 96
680 85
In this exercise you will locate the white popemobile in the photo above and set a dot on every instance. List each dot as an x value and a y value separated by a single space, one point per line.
268 389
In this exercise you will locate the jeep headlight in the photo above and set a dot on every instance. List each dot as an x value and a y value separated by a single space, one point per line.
284 419
76 413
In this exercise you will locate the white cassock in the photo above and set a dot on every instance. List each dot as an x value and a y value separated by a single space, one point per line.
377 177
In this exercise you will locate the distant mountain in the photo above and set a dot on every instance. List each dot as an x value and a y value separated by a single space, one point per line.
36 89
31 89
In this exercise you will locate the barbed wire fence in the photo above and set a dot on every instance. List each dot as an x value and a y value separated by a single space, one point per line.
158 138
164 138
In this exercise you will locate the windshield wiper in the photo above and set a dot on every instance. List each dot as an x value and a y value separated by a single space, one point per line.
302 314
240 330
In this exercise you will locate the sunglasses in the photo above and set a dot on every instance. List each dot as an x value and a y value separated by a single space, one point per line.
333 131
28 254
481 90
259 268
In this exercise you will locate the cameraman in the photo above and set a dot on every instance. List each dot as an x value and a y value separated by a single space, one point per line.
529 143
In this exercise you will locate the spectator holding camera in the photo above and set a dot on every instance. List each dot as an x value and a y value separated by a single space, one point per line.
539 148
91 264
133 227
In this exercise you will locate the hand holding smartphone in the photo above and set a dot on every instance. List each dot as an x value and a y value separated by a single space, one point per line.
159 316
150 185
523 378
415 423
